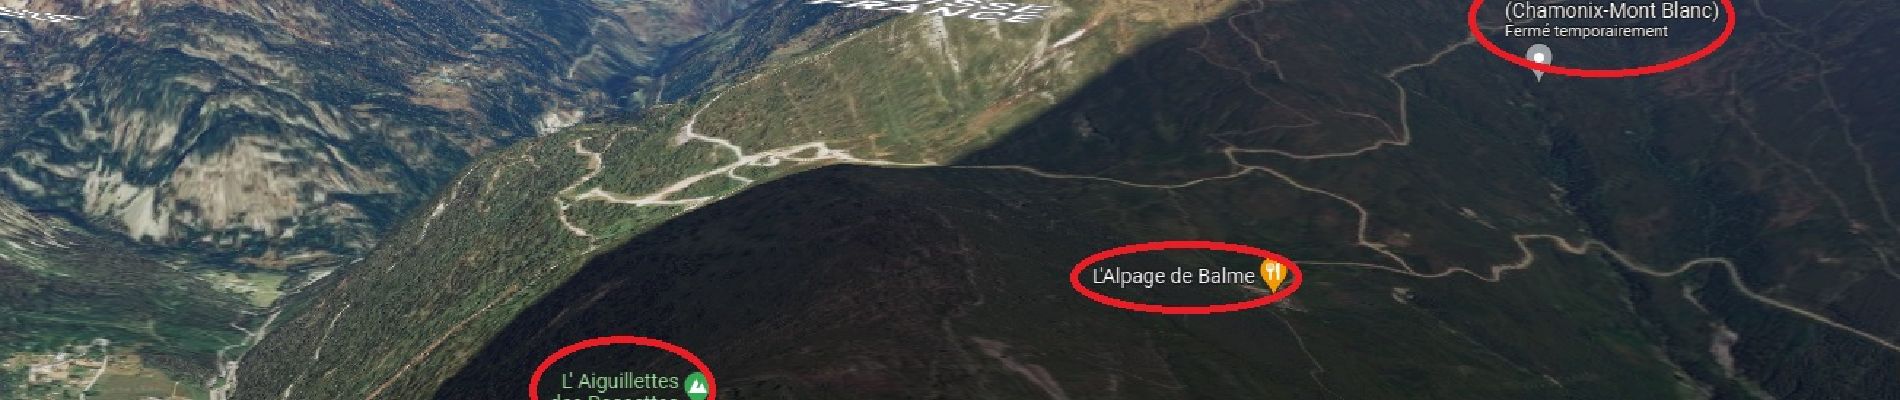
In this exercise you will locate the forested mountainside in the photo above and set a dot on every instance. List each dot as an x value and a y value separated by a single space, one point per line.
168 168
283 134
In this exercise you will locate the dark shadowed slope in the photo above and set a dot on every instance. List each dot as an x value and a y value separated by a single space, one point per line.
1573 237
940 283
1469 234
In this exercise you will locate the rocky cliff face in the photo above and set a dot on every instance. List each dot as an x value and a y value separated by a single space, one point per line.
279 133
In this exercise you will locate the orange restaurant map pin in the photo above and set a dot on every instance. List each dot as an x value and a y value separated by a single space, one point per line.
1274 273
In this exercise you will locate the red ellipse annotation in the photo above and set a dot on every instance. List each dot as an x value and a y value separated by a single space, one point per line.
1075 277
1729 28
712 387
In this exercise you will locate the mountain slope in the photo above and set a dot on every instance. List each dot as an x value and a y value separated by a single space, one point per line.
61 285
1583 238
163 157
951 283
1620 242
513 226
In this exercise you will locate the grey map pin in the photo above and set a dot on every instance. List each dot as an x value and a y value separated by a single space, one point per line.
1540 54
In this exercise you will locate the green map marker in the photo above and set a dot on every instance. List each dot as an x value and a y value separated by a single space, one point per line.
696 386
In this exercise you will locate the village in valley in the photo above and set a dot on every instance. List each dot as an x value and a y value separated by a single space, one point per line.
75 371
